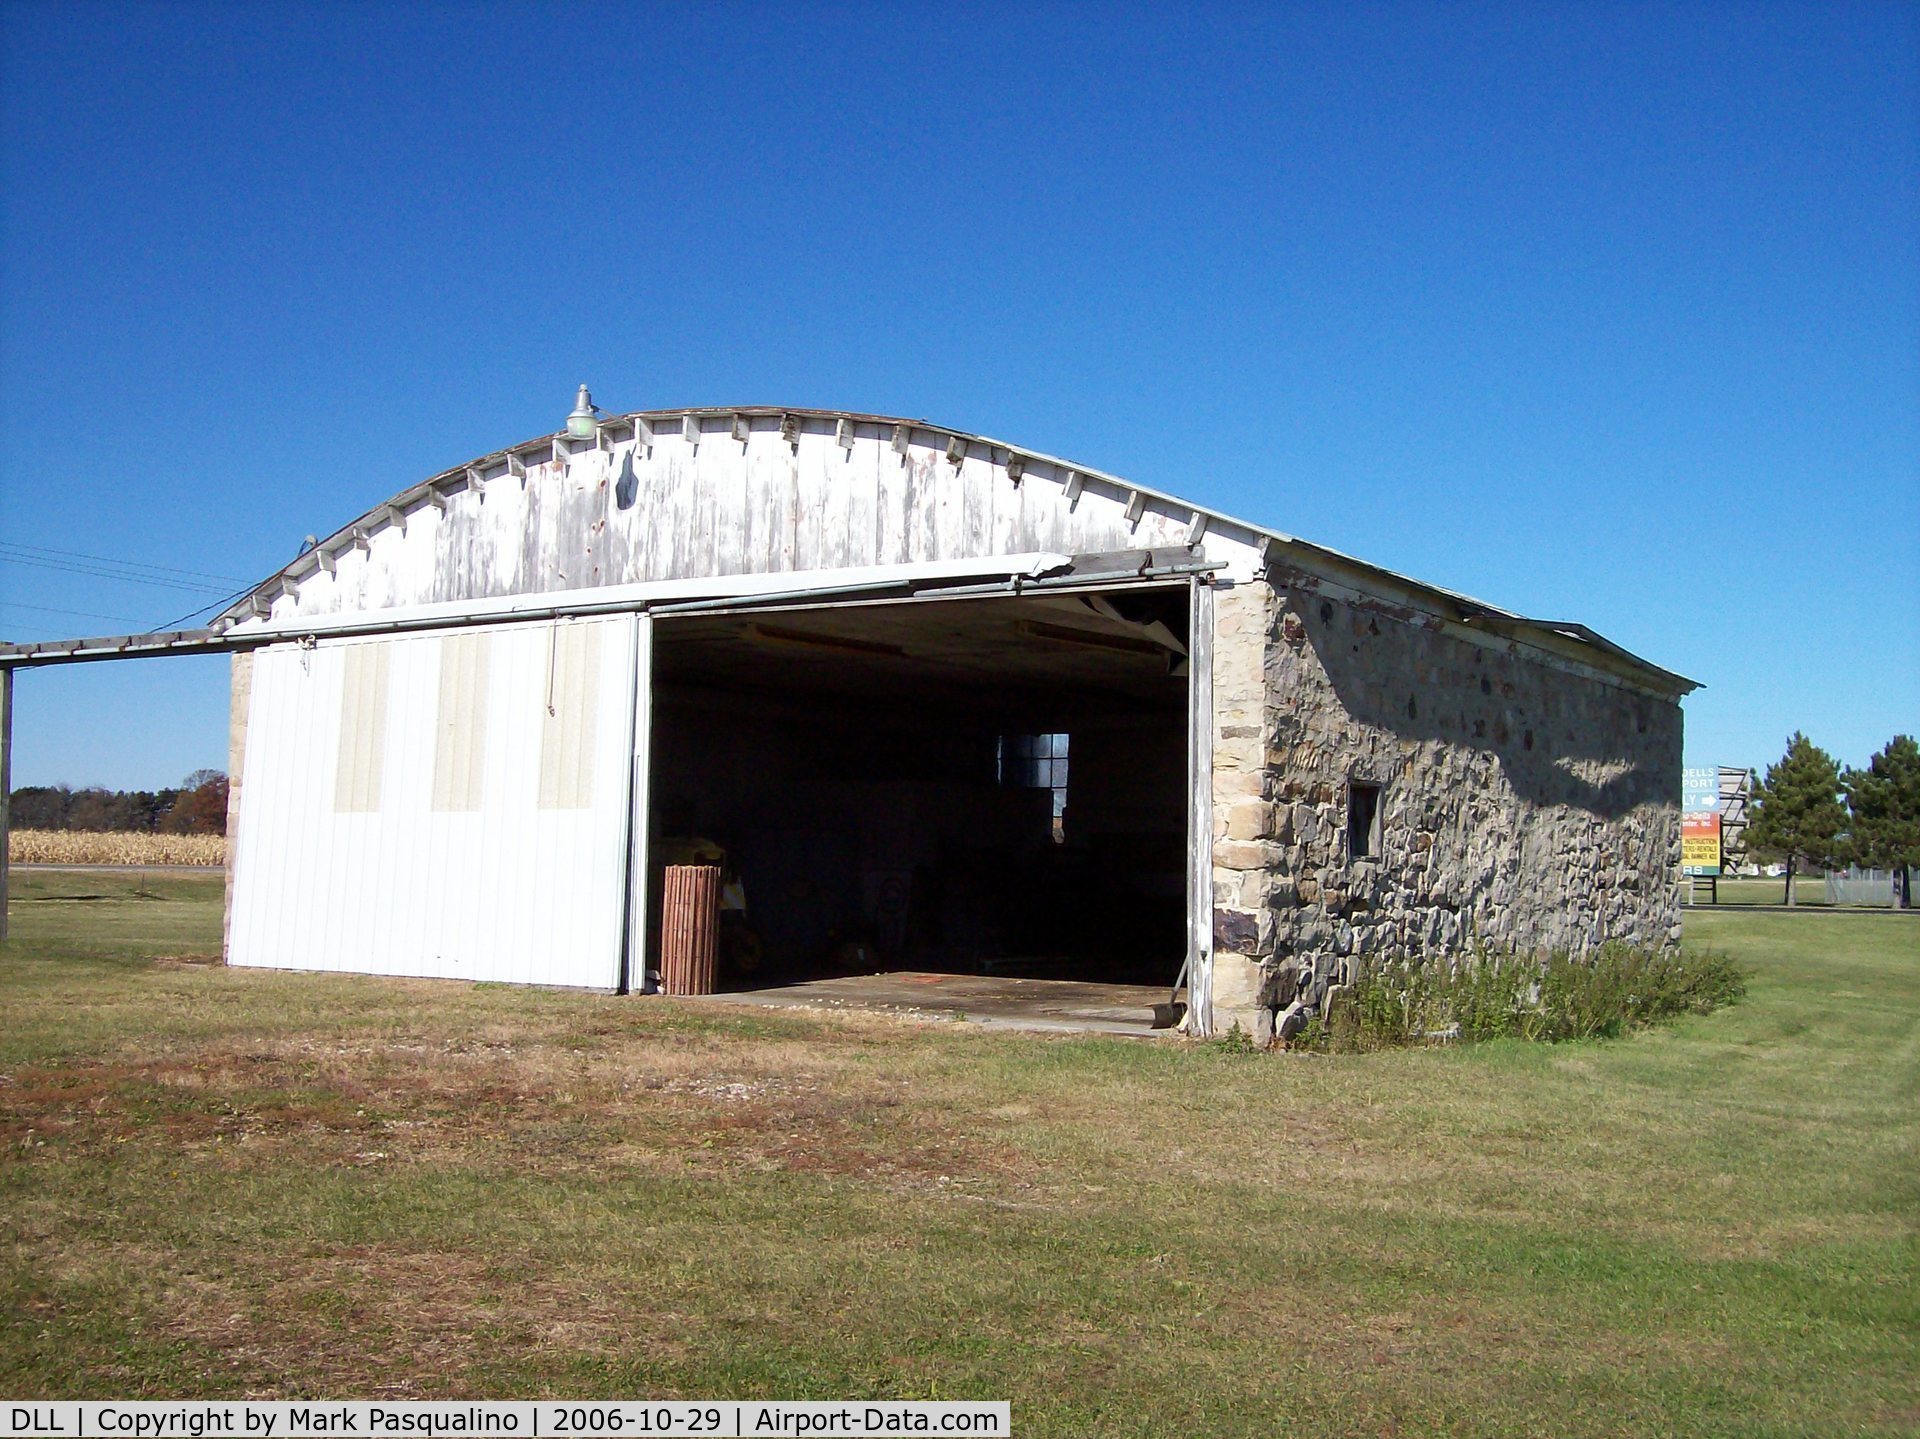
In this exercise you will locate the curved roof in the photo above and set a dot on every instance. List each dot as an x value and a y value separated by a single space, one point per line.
1285 558
1278 550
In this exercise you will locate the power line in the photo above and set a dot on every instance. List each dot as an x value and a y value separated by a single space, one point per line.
220 603
123 564
78 614
102 572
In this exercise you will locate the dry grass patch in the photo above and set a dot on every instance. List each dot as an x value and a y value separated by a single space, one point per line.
218 1182
72 846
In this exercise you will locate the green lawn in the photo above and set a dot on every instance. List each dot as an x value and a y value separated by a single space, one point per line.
1808 889
221 1183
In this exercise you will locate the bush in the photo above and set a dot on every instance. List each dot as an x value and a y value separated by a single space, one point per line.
1485 995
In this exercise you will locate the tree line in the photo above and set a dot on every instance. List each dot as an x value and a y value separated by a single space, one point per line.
198 806
1808 809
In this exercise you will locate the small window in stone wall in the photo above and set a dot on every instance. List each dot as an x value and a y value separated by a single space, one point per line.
1363 820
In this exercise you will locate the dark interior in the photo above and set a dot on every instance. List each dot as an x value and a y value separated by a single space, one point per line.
987 786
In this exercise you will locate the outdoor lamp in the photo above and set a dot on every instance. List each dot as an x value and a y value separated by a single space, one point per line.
582 423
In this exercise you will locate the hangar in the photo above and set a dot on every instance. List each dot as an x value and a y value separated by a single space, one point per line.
932 701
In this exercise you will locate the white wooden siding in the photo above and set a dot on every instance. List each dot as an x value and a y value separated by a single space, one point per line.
722 507
508 890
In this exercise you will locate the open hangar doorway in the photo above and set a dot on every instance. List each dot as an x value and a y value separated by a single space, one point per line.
994 787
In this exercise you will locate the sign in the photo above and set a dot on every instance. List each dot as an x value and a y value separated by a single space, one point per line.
1699 788
1700 844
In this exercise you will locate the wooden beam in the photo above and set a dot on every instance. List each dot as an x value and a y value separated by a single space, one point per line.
843 433
1074 486
1200 733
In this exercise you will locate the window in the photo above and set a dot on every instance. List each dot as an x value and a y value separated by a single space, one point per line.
1036 761
1363 820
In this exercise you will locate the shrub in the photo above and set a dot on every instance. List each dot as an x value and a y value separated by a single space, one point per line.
1486 995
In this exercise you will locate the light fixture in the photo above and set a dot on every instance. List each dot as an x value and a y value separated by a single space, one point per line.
584 422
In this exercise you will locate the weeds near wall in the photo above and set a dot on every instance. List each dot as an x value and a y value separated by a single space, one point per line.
1490 995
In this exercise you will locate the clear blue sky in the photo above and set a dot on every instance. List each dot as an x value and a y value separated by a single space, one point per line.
1602 312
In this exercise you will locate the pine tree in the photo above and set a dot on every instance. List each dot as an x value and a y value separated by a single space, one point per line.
1884 800
1797 813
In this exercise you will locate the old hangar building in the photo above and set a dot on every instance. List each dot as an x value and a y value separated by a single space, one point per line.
942 702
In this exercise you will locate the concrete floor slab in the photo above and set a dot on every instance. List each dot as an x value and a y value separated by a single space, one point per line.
1007 1002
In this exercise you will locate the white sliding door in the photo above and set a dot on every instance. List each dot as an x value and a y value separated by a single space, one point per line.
452 804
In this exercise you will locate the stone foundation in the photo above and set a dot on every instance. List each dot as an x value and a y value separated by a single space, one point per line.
1523 804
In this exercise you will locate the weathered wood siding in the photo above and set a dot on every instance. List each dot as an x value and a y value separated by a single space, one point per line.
680 509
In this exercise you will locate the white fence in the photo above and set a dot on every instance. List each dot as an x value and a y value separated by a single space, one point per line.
1873 887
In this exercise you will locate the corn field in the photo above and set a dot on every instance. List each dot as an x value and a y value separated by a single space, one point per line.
74 846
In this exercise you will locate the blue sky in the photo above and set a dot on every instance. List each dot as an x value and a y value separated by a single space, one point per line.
1599 312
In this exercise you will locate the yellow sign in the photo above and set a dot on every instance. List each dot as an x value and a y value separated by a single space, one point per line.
1700 843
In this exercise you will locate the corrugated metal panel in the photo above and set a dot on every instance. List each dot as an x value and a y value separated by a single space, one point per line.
460 747
361 752
567 733
503 890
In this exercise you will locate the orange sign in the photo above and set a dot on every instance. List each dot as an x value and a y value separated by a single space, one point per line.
1700 843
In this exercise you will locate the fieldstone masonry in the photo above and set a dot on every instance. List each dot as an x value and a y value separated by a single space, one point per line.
1523 803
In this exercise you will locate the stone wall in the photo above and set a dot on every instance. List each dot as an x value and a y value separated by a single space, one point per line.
1521 805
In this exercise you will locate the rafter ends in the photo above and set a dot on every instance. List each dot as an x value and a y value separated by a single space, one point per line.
397 518
1074 486
643 434
1136 506
323 561
790 430
1016 468
1265 550
690 430
516 466
1197 527
843 433
477 482
902 437
437 500
742 428
956 449
358 539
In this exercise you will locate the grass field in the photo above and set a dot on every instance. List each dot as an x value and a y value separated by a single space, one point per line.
223 1183
1808 889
